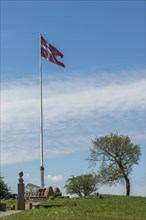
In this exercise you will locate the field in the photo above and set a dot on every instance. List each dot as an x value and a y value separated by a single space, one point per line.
89 208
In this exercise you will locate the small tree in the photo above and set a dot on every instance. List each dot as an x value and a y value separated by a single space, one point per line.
4 189
116 155
31 187
81 185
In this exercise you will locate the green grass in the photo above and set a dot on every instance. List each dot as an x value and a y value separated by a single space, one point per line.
108 208
9 203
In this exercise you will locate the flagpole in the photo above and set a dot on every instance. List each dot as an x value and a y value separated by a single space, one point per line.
41 123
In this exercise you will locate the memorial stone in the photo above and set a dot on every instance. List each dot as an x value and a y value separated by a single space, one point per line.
21 199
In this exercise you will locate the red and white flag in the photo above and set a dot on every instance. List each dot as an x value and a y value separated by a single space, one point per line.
50 52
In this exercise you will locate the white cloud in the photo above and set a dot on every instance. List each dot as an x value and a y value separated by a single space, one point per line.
72 98
22 105
55 178
26 175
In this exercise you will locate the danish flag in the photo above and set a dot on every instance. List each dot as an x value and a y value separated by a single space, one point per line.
50 52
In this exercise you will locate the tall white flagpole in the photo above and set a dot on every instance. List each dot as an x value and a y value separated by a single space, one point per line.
41 124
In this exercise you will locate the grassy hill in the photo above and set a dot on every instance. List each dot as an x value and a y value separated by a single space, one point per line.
89 208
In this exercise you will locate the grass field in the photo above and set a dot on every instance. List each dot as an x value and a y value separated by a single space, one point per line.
108 208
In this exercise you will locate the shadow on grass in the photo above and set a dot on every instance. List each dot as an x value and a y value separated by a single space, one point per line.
50 206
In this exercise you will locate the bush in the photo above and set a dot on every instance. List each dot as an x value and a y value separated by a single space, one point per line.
4 189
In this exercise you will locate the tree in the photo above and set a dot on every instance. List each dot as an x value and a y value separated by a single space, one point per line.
81 185
116 155
31 187
4 189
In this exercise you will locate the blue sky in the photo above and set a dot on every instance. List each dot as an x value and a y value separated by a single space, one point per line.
101 90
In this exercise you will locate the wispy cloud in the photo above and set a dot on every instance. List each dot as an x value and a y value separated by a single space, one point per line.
70 99
55 178
26 175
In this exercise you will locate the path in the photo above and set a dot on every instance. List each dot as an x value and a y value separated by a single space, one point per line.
11 212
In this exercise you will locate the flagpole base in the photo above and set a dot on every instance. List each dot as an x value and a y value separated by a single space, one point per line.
42 176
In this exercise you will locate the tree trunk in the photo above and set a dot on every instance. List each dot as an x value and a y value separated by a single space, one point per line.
79 194
127 186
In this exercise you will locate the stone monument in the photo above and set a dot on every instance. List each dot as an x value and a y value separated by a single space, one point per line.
21 199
